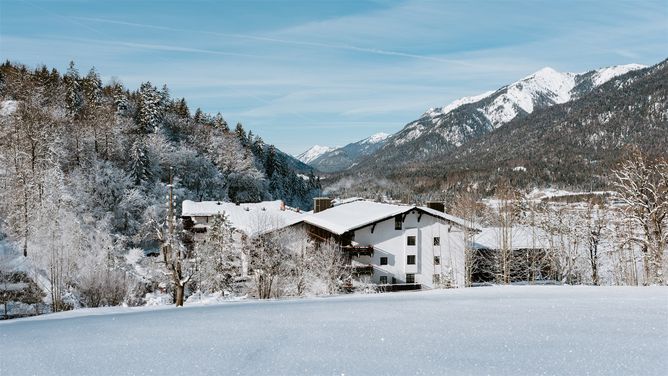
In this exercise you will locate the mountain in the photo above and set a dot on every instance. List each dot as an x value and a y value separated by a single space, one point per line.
572 144
313 153
576 143
440 130
339 159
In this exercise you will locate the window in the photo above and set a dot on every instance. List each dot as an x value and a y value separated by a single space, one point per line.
397 223
410 260
383 260
394 281
410 240
410 278
437 240
383 280
437 260
436 278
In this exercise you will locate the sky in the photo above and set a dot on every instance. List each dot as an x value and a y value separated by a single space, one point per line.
329 72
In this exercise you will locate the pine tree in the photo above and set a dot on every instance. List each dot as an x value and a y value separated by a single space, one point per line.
220 123
148 108
92 89
73 98
241 134
182 108
140 163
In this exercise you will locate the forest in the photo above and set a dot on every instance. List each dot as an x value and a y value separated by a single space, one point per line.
85 169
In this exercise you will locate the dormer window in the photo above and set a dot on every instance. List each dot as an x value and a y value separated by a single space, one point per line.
398 223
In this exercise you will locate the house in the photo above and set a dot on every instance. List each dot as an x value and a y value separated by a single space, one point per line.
397 246
394 245
525 249
248 219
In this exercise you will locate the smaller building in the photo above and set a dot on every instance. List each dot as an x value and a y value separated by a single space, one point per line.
249 219
523 249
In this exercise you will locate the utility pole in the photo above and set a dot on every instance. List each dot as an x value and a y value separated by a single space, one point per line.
171 206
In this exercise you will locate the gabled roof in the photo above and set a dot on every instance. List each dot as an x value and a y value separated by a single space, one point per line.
252 218
356 214
521 237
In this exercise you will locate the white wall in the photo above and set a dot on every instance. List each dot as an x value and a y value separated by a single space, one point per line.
391 243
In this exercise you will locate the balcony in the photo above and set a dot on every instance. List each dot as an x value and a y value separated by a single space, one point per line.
361 269
358 250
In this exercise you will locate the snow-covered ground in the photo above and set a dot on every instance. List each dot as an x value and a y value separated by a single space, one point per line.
520 330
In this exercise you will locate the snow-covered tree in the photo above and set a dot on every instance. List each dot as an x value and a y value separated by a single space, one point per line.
219 259
148 108
141 169
643 187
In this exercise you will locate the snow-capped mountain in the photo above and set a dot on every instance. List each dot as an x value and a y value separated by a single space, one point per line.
338 159
439 130
313 153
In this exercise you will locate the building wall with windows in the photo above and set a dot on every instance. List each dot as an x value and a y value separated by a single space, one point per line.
426 249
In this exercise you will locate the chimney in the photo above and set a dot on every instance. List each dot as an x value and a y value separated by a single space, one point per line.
282 205
321 204
436 205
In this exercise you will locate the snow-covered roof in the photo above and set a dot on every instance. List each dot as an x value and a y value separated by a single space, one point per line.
521 237
251 218
451 218
351 215
345 217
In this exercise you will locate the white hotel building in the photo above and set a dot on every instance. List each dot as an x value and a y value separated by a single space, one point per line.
399 246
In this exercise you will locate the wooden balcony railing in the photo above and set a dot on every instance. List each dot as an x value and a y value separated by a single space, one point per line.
361 269
358 250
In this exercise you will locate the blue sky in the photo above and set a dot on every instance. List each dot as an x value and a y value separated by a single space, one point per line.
330 71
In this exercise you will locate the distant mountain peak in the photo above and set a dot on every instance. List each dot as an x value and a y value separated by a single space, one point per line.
314 153
376 138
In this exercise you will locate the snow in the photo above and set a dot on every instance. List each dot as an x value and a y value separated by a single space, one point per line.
543 193
519 330
342 218
376 138
8 107
433 112
520 169
604 75
359 213
521 95
314 153
251 218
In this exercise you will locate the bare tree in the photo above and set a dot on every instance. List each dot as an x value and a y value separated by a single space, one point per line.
506 217
643 186
332 264
468 206
597 219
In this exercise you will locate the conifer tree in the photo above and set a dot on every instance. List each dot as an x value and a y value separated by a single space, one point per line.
148 108
140 163
73 99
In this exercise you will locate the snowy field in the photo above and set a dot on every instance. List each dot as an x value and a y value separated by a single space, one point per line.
493 330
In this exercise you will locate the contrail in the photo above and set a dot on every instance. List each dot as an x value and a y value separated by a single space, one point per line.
283 41
164 47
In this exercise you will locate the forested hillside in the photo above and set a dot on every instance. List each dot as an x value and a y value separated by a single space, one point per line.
79 155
